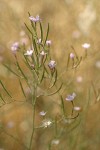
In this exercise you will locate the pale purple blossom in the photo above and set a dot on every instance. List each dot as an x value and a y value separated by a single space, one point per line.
48 42
35 19
70 97
72 55
29 53
15 47
43 113
52 64
86 45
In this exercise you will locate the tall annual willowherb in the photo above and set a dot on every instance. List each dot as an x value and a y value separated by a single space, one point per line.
45 82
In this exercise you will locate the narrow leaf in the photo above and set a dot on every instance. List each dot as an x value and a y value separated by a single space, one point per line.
41 29
55 91
11 70
42 75
22 88
55 79
2 98
21 70
47 34
5 89
28 29
62 104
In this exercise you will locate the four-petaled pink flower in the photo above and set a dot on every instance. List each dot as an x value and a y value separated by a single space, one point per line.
35 19
52 64
29 53
15 47
70 97
48 42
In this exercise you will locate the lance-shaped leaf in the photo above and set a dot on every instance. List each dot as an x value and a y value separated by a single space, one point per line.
78 63
22 88
62 105
55 91
55 79
19 68
42 75
68 60
47 34
2 98
35 46
5 89
41 30
28 29
11 70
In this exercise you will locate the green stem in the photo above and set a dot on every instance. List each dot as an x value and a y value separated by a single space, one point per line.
34 95
31 140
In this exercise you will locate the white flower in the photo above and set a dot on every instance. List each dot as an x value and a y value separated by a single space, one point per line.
52 64
76 108
46 123
43 53
43 113
72 55
15 46
48 43
39 41
35 19
86 45
29 53
70 97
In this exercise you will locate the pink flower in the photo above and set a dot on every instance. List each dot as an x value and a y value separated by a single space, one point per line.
86 45
43 113
52 64
29 53
35 19
72 55
48 42
70 97
15 47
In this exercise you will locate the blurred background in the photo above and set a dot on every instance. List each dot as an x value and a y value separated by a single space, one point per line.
72 23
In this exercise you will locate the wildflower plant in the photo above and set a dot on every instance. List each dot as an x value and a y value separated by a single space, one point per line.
42 69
